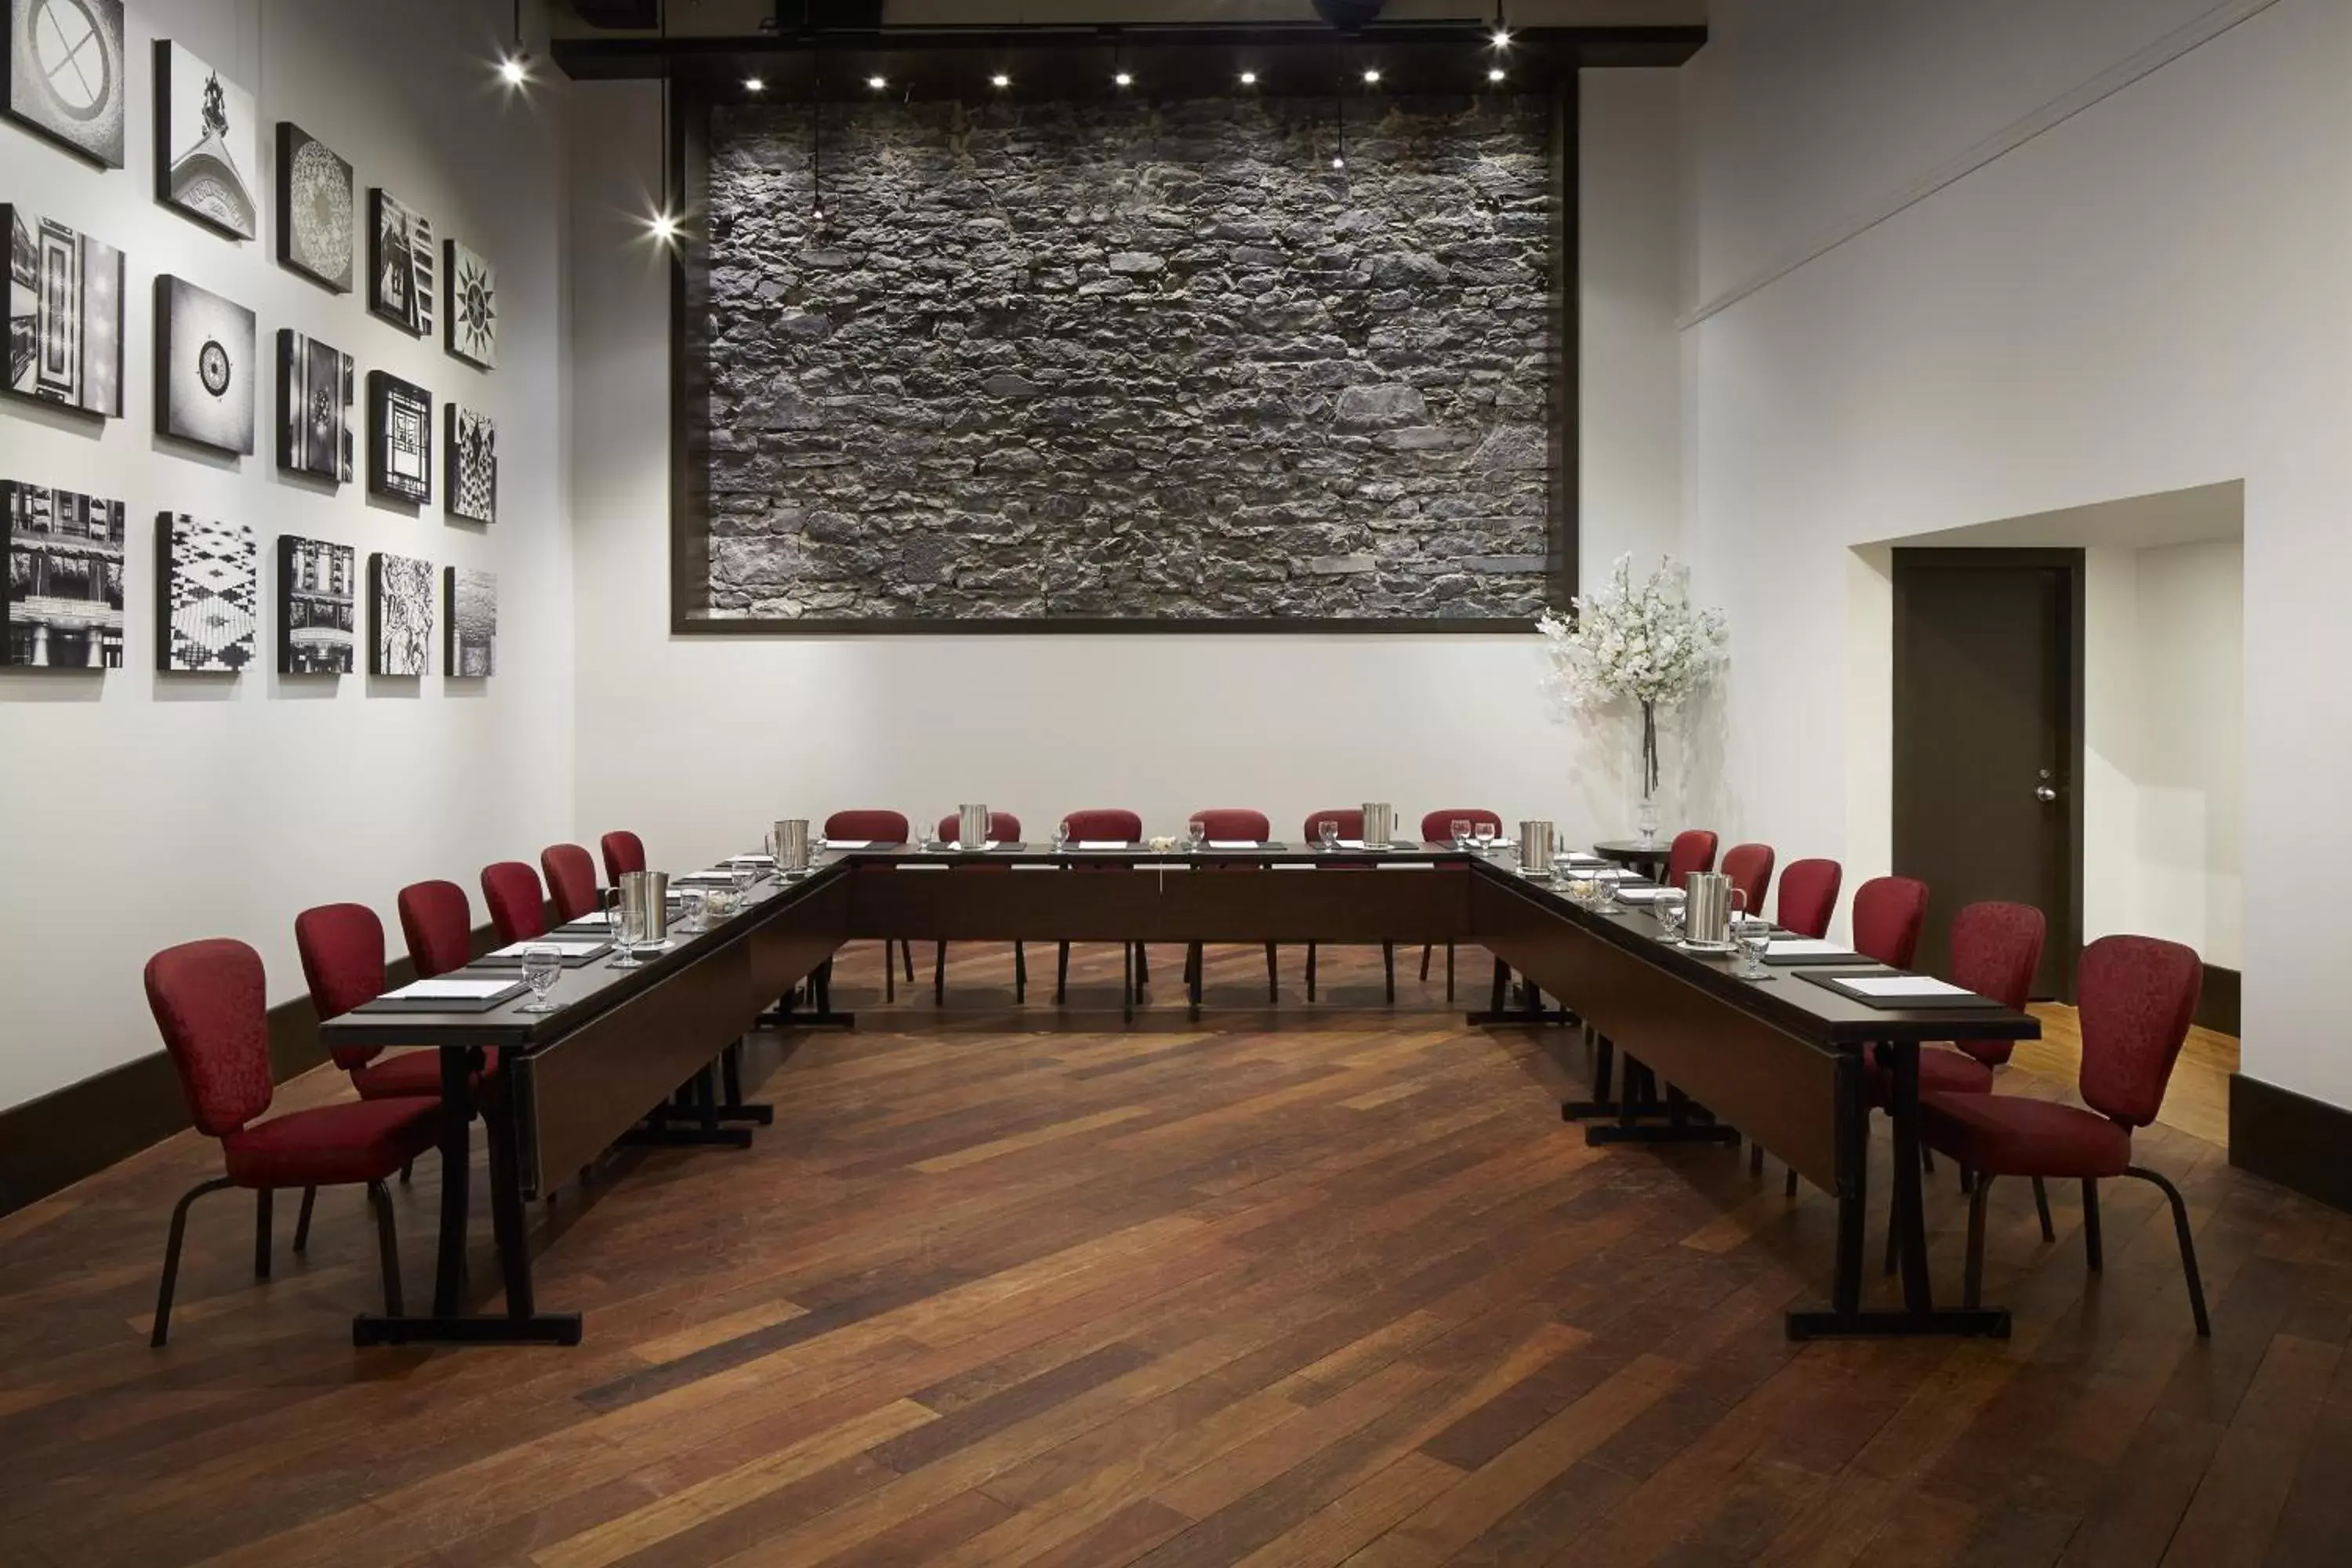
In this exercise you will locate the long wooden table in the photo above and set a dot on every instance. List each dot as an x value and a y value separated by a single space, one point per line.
1781 1059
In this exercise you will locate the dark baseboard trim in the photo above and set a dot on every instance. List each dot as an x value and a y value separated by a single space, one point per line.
48 1144
2292 1139
2217 1004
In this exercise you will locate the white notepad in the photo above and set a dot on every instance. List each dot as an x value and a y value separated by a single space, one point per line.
1100 844
845 843
1231 843
751 861
1646 895
568 949
990 844
1904 985
1805 947
447 990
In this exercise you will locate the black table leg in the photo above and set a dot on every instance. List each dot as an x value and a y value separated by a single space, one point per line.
456 1196
1910 1217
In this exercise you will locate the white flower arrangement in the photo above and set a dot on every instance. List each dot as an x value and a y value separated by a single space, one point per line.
1641 642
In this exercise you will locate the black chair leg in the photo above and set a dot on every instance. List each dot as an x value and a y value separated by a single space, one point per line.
404 1167
2042 1207
1062 973
2091 1248
1502 986
890 975
1310 971
1926 1158
1272 975
1020 972
261 1205
1192 962
1424 963
907 952
172 1254
1449 972
387 1246
1142 967
302 1220
940 976
1789 1185
1755 1158
1972 1285
1388 966
2187 1244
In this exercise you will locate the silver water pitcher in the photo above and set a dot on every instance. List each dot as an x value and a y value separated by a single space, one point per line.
1706 909
1535 851
793 846
1380 824
645 907
971 827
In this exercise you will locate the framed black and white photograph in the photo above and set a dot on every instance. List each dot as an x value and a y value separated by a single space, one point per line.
471 598
318 606
65 578
400 264
314 208
205 371
400 603
208 595
472 484
66 75
471 310
207 145
400 438
314 408
65 315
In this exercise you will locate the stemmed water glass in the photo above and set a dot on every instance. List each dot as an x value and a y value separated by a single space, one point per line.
1460 828
926 838
1061 836
1484 837
628 931
1751 940
542 966
1326 833
1668 909
1196 833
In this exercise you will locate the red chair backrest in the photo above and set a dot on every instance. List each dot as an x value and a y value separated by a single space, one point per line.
1437 827
439 925
1888 915
880 827
341 946
570 880
1749 866
2137 995
1003 827
1233 822
1104 824
1996 948
209 1001
624 851
1348 821
1693 850
1808 891
511 889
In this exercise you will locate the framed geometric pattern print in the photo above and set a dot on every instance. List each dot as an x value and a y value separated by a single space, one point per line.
205 370
66 75
208 595
314 208
471 309
400 438
472 485
65 315
314 408
400 264
400 597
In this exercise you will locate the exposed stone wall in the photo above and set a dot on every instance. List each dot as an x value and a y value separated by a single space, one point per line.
1131 359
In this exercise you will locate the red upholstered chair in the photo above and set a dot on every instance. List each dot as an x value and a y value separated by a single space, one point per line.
1101 825
624 851
1749 866
1437 827
1348 823
209 1001
571 880
438 924
1230 824
1888 914
2136 996
517 911
1004 828
874 826
1809 894
1692 850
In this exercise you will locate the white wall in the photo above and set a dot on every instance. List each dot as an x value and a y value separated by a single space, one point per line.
697 743
2148 296
145 809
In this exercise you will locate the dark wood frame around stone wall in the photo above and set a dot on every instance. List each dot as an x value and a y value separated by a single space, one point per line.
686 152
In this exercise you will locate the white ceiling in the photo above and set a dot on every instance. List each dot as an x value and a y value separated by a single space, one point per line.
738 18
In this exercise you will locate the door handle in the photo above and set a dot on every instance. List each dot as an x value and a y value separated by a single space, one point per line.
2044 794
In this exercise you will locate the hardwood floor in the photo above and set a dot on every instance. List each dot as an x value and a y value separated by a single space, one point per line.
1286 1287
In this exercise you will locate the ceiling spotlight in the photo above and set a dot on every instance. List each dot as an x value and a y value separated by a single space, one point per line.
1496 73
1124 80
753 84
877 83
516 69
665 227
1371 78
1502 38
1000 80
1249 78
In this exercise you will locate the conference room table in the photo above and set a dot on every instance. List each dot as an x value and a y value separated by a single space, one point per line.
1781 1059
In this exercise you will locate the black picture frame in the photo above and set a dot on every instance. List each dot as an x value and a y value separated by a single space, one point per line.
312 172
400 438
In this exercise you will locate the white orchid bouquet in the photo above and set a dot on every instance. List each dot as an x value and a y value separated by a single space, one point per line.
1641 642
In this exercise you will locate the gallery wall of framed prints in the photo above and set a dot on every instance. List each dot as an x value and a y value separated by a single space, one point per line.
287 286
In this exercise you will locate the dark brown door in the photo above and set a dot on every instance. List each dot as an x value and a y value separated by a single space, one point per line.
1988 740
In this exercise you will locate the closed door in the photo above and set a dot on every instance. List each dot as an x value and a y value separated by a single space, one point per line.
1987 749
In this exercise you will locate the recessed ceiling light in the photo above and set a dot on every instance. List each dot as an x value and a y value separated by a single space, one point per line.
1249 78
1371 78
514 70
665 227
753 84
877 83
1000 80
1502 38
1496 74
1124 80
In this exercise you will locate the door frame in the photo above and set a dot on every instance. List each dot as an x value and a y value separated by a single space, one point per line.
1909 562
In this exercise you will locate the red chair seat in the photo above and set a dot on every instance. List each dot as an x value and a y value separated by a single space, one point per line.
2009 1135
404 1075
1940 1072
364 1140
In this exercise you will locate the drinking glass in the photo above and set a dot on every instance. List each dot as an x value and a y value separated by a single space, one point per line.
1484 835
1460 828
1326 833
926 840
627 932
1669 911
743 876
1563 865
1752 940
692 905
1197 833
1061 836
542 966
